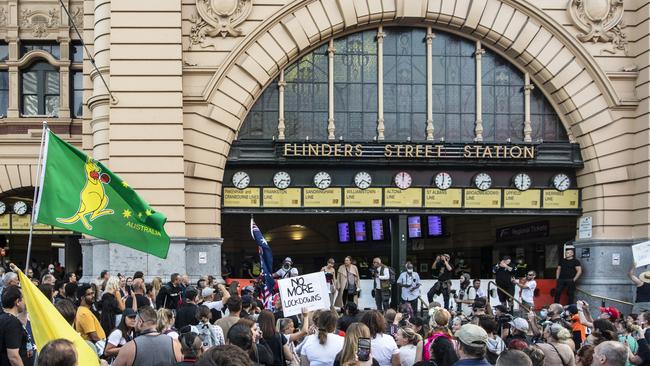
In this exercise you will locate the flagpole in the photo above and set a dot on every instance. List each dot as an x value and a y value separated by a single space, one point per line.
36 188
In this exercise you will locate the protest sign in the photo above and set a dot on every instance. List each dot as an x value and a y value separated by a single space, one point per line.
304 292
641 253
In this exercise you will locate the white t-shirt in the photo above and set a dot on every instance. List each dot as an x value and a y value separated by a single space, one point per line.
116 338
283 273
322 354
407 355
528 293
383 347
216 305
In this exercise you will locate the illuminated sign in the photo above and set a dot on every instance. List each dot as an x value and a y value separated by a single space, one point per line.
514 198
355 197
475 198
274 197
410 197
554 199
315 197
439 198
249 197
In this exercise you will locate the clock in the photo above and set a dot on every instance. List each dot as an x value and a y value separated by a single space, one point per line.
403 180
442 180
362 180
483 181
322 180
3 208
281 180
20 207
522 181
241 180
561 182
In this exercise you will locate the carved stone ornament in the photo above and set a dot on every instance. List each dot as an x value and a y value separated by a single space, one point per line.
40 22
218 17
600 21
77 15
3 17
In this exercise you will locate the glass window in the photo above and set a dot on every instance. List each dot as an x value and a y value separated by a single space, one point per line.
76 103
503 99
51 48
454 87
76 52
405 79
355 86
4 51
262 120
4 92
40 90
544 121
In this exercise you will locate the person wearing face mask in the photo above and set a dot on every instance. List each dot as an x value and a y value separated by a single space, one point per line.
409 282
287 271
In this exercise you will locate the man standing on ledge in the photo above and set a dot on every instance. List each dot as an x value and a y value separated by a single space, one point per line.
567 273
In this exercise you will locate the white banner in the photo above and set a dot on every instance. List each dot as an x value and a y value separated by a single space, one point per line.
308 292
641 253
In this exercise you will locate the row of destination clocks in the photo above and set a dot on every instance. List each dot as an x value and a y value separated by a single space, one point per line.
403 180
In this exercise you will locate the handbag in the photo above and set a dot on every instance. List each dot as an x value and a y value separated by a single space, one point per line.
351 288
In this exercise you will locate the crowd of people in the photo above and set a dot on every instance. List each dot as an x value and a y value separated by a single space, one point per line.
129 321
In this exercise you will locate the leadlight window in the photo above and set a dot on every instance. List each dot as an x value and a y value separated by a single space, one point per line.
262 121
405 84
40 90
51 48
545 123
76 105
305 96
503 100
454 87
4 92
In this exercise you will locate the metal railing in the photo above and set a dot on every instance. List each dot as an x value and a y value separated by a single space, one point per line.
603 298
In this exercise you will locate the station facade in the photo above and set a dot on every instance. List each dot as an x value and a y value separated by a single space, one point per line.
392 128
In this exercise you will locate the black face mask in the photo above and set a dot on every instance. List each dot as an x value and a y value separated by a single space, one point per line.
286 266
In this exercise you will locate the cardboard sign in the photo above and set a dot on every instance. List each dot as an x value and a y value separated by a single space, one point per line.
641 253
304 292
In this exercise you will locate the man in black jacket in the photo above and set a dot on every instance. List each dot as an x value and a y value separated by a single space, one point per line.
169 296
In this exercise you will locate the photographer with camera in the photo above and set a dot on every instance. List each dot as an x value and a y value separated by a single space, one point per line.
409 281
287 271
503 273
443 270
380 284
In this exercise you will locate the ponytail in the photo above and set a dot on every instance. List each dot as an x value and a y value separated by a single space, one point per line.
322 335
326 324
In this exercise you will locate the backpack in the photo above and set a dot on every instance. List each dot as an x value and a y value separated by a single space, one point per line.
392 279
208 335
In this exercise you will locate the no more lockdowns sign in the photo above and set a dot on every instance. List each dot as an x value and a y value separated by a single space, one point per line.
308 292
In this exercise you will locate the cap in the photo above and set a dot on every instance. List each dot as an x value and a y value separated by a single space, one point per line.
520 324
129 313
573 309
472 335
249 288
613 312
287 259
207 291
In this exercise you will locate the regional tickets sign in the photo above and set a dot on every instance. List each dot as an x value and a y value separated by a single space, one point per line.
309 292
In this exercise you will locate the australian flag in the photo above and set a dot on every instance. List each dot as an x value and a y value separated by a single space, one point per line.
266 264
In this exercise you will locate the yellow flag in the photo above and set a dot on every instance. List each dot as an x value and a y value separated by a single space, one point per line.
48 324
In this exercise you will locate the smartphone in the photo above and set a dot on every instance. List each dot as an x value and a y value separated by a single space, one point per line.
363 352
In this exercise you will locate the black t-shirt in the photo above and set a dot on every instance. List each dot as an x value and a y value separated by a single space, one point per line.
140 301
568 268
275 343
445 275
186 315
109 308
14 336
502 275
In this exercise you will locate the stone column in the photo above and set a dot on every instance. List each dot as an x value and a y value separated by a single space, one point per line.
203 257
64 80
430 37
14 89
528 129
380 83
99 103
281 85
478 128
331 127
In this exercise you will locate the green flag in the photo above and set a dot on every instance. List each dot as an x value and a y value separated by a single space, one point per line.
78 193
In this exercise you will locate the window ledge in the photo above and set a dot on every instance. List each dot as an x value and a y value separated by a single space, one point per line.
39 115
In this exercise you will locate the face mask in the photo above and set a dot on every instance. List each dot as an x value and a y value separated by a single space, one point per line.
409 270
461 261
286 266
543 314
520 261
51 270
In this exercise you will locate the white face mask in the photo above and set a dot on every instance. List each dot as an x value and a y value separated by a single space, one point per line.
409 270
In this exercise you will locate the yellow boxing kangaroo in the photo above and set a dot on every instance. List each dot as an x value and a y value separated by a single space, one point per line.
93 197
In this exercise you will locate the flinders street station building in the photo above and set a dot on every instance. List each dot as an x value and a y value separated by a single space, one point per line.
394 128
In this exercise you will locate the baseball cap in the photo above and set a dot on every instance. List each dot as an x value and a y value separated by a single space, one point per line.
249 288
613 312
207 292
519 324
288 259
129 313
573 309
472 335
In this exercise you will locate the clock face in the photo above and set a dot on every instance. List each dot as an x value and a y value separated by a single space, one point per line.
442 180
522 181
241 180
403 180
561 182
3 208
282 180
20 207
483 181
362 180
322 180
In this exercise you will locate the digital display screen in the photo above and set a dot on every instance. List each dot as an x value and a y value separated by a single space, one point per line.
414 227
344 232
434 223
377 226
360 233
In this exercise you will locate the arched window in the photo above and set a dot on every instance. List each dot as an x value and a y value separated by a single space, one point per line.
404 91
40 90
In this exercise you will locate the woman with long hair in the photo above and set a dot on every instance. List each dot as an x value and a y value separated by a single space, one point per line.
347 283
556 352
260 351
123 334
276 342
156 285
111 305
348 354
407 340
320 349
383 346
166 320
625 330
